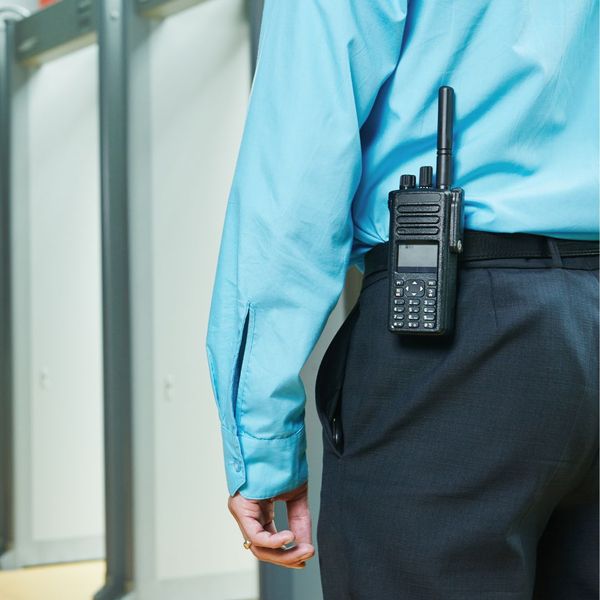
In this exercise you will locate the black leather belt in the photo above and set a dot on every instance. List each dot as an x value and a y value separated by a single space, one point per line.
481 245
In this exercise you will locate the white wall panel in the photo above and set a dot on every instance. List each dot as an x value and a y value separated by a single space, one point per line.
200 76
189 96
57 326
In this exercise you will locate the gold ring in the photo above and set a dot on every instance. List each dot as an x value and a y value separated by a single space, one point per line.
247 544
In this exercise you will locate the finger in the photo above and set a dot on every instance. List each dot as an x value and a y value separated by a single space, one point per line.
299 519
267 518
248 518
301 565
293 557
272 528
261 537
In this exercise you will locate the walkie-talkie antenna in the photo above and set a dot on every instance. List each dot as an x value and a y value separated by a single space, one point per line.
443 174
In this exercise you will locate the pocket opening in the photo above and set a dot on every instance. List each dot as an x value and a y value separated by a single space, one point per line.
330 383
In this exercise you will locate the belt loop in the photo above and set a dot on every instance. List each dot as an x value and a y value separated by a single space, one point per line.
557 262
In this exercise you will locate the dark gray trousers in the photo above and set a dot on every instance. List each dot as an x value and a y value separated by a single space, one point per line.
468 467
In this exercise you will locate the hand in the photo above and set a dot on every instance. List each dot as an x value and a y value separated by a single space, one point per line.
255 519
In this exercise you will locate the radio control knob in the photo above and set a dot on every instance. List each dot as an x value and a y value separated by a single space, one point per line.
426 177
407 182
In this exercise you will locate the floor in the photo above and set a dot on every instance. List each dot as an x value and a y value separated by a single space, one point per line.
72 581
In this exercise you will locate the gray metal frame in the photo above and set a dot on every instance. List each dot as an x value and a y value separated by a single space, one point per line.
29 42
114 144
6 346
55 31
159 9
48 34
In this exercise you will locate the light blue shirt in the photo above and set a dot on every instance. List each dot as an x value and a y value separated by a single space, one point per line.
344 100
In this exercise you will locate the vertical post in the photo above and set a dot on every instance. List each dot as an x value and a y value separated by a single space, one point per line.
255 10
6 349
113 56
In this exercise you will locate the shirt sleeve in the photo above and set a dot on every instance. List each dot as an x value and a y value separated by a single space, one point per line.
288 227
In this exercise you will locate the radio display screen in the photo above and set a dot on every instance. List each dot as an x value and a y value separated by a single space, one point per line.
417 256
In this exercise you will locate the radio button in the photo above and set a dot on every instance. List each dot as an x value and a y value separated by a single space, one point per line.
416 287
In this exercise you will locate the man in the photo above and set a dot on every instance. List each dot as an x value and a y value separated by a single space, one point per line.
458 467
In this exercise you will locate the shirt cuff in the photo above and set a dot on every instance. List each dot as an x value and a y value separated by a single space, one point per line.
263 468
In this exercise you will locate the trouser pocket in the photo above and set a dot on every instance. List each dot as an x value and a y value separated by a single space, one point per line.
330 383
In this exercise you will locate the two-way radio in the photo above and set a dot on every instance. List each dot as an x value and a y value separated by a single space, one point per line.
426 228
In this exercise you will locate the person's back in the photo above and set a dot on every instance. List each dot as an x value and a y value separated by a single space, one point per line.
526 78
451 465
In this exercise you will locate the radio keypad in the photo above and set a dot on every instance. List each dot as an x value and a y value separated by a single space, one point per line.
414 289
